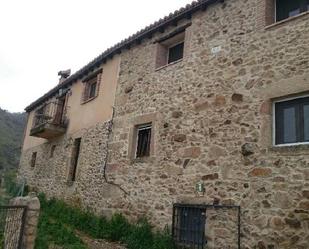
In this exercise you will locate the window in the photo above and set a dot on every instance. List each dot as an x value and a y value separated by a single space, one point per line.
289 8
175 52
170 49
74 160
292 121
91 88
33 159
189 226
52 151
143 140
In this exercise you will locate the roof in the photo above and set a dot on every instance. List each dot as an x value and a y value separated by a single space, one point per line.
147 32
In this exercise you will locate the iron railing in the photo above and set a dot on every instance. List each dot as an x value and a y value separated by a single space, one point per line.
191 223
12 222
52 113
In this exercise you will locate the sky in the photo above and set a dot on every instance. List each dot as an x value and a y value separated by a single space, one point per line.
38 38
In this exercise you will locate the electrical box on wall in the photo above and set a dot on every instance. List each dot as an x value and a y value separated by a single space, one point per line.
215 50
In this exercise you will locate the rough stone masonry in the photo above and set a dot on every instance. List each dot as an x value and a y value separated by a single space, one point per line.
212 117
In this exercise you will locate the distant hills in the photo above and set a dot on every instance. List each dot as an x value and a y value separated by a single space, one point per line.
11 135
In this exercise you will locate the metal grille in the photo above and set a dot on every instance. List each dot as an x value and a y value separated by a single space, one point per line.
190 223
12 221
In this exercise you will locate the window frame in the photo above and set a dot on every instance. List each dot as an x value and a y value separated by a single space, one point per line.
274 119
87 89
172 46
138 128
88 81
282 20
52 150
34 157
164 44
74 160
90 89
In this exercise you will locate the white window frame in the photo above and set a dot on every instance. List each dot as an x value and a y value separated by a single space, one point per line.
274 121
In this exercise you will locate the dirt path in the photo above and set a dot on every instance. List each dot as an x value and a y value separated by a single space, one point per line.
98 243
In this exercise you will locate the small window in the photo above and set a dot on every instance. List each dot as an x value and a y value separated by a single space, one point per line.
292 121
175 53
170 49
289 8
74 159
91 89
143 140
52 151
33 159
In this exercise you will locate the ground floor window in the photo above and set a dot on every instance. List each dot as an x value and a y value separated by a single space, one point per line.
74 159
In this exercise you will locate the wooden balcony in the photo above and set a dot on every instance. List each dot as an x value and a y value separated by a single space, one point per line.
50 121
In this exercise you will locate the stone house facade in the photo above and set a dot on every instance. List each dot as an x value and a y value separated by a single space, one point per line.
210 107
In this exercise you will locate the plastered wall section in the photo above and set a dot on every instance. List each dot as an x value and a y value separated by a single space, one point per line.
88 114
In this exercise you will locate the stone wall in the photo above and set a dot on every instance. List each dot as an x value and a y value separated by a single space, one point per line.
212 118
51 175
212 123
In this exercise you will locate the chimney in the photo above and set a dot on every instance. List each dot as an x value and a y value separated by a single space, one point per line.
64 74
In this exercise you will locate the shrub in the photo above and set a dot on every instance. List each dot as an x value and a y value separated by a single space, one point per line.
1 241
58 221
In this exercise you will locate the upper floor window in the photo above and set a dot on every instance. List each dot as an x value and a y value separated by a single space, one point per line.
90 89
289 8
292 121
170 49
175 52
91 86
143 140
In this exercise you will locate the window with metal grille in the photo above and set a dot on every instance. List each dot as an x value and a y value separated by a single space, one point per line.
189 226
190 221
74 159
289 8
33 159
143 140
175 53
292 121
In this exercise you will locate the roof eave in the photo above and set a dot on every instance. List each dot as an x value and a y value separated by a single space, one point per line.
116 49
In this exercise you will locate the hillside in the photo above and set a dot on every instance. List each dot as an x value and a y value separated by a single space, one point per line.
11 134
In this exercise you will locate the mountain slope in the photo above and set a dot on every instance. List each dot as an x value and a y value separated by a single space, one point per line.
11 135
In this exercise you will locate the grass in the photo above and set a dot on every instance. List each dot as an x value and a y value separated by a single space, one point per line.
59 220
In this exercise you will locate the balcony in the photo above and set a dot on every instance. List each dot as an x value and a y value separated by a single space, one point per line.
50 120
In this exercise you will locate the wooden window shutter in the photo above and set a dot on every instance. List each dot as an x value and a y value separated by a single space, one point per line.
98 83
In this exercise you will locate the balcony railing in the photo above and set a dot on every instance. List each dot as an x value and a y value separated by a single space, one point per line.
50 120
